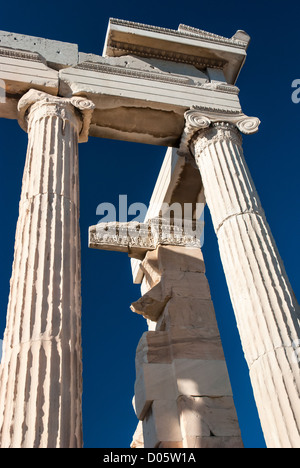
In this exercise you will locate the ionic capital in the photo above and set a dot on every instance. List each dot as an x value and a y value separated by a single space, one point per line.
198 120
35 104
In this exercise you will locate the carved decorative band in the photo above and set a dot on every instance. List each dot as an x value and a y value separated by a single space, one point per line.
183 31
163 77
122 71
136 238
21 55
43 109
200 62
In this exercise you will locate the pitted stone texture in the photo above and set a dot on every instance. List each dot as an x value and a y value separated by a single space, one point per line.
58 54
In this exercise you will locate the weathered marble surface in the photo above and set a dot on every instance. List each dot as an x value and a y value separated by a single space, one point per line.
267 312
182 391
141 86
41 369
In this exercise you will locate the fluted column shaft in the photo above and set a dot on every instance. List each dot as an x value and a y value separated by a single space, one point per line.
266 309
41 374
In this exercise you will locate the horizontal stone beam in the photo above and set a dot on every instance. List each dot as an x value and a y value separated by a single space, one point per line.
137 238
144 100
21 71
142 86
56 54
186 45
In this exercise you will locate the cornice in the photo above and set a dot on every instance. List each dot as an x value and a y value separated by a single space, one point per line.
183 31
186 45
134 73
125 48
157 76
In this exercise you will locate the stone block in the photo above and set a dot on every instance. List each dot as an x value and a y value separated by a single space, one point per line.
149 266
147 283
206 416
170 444
153 347
195 344
159 350
190 312
58 54
161 425
19 72
176 258
133 107
185 284
152 303
213 442
172 284
202 377
141 351
153 382
207 51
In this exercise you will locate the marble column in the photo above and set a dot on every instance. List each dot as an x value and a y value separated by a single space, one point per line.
266 309
41 374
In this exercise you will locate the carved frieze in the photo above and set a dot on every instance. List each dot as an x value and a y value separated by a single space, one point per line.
137 238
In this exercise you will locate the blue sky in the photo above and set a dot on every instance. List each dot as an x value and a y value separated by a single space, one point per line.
109 168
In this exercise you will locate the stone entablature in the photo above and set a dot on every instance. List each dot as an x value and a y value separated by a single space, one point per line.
186 45
129 83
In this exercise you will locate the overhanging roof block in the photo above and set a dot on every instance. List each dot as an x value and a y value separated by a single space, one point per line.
187 45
